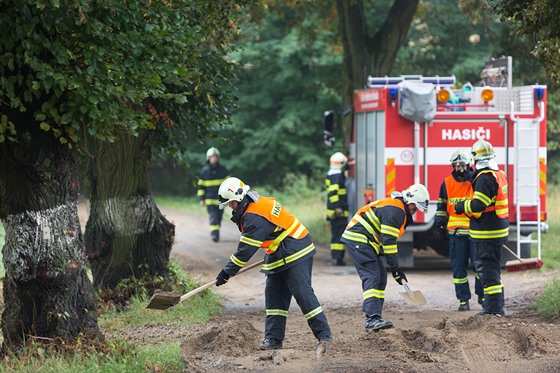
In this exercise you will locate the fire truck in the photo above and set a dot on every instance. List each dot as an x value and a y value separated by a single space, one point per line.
405 129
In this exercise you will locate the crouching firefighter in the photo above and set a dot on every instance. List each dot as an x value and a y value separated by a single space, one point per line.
288 261
372 232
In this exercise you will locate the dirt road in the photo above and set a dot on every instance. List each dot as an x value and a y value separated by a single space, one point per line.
429 338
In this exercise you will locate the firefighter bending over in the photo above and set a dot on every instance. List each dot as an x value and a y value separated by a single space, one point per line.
372 232
211 176
489 224
337 205
288 261
455 188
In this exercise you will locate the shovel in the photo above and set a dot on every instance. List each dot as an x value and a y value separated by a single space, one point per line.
165 300
414 297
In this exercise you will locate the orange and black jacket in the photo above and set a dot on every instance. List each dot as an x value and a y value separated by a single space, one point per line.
452 192
265 224
379 225
209 183
488 209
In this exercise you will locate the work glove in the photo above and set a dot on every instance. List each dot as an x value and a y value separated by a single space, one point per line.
460 207
442 233
399 276
222 278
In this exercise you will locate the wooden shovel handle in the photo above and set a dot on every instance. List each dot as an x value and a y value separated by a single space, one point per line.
512 253
213 282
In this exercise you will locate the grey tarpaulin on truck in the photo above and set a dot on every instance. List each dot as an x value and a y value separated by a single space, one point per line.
417 101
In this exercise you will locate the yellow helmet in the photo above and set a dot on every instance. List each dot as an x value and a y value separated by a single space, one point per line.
212 151
231 189
482 150
338 161
417 194
461 156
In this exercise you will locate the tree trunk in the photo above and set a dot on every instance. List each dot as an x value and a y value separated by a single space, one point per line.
126 234
46 290
365 55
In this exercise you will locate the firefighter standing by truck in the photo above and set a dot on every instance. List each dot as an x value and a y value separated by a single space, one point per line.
211 176
372 232
455 188
337 205
288 261
489 224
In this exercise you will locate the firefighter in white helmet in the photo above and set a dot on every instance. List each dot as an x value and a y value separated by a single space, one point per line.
373 232
489 224
211 176
337 205
455 227
288 259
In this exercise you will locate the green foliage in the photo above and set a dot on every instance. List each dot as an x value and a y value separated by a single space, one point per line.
111 66
547 304
538 19
290 77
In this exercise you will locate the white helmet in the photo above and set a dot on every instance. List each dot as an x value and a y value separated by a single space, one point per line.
338 161
482 150
461 156
212 151
417 194
232 189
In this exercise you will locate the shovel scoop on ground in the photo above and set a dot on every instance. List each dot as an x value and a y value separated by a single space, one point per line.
413 297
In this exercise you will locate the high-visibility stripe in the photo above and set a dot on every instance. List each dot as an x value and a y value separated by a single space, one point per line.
374 293
337 246
463 280
390 178
214 228
496 289
277 312
486 234
542 177
210 183
288 259
236 261
250 241
313 313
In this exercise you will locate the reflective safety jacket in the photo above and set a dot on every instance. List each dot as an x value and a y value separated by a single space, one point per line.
336 194
488 210
379 225
209 183
267 225
451 193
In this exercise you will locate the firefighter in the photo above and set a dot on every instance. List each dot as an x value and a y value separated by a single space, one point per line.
211 176
288 261
373 232
337 205
457 187
489 224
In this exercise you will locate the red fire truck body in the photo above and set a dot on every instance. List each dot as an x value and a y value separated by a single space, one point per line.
392 150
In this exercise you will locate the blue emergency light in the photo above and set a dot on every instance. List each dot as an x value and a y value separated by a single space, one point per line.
539 93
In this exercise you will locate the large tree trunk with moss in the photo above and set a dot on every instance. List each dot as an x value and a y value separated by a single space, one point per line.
366 53
46 289
126 234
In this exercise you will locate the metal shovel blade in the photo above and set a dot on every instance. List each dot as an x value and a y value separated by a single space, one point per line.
413 297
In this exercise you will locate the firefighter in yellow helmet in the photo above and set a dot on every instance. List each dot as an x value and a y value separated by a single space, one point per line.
337 205
489 224
211 176
373 232
455 227
288 260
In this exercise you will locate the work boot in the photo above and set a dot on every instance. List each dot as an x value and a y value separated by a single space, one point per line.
464 306
338 262
215 237
376 323
270 344
485 313
326 339
480 300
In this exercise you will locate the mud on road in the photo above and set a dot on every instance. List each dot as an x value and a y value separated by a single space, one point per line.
429 338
